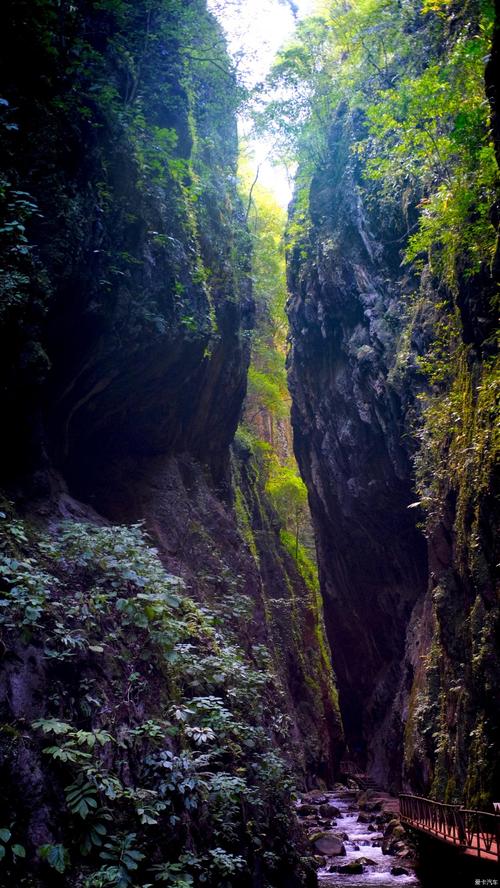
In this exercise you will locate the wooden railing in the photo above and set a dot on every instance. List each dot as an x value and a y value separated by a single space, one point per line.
475 832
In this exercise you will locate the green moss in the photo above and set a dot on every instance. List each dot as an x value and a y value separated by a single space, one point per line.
309 573
410 733
306 566
244 522
294 617
460 441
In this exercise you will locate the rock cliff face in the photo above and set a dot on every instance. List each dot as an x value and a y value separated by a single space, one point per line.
348 422
125 337
409 592
127 318
125 349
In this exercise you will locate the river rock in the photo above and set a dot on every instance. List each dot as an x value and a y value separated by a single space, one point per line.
305 810
373 807
315 797
399 871
393 835
364 818
328 843
330 810
354 868
391 826
366 861
364 798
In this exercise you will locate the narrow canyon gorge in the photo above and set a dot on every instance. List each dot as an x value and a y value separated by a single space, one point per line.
249 482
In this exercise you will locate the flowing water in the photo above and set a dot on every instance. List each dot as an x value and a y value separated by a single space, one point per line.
361 842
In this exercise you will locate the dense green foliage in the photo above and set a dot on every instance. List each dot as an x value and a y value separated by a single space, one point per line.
266 221
267 414
194 792
415 73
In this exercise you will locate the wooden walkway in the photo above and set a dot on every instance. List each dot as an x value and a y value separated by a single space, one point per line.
350 769
474 833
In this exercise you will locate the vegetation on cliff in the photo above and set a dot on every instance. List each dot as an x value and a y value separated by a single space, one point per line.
267 406
264 441
124 235
165 676
392 96
413 75
157 736
165 679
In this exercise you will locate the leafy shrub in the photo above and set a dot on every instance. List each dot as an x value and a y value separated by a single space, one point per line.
203 754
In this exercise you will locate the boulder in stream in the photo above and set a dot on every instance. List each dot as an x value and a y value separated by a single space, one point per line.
364 798
399 871
328 843
329 810
373 807
354 868
315 797
305 810
393 835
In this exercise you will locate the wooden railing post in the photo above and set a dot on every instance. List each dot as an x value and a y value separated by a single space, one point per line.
461 833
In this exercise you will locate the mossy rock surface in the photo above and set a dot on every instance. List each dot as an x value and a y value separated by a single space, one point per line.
354 868
328 843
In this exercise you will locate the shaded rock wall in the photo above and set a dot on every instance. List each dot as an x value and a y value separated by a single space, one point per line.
348 423
126 330
125 334
410 596
225 543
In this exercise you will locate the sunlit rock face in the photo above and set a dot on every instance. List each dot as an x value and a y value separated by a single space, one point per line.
349 424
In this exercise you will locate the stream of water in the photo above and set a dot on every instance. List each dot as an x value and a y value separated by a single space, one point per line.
362 843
